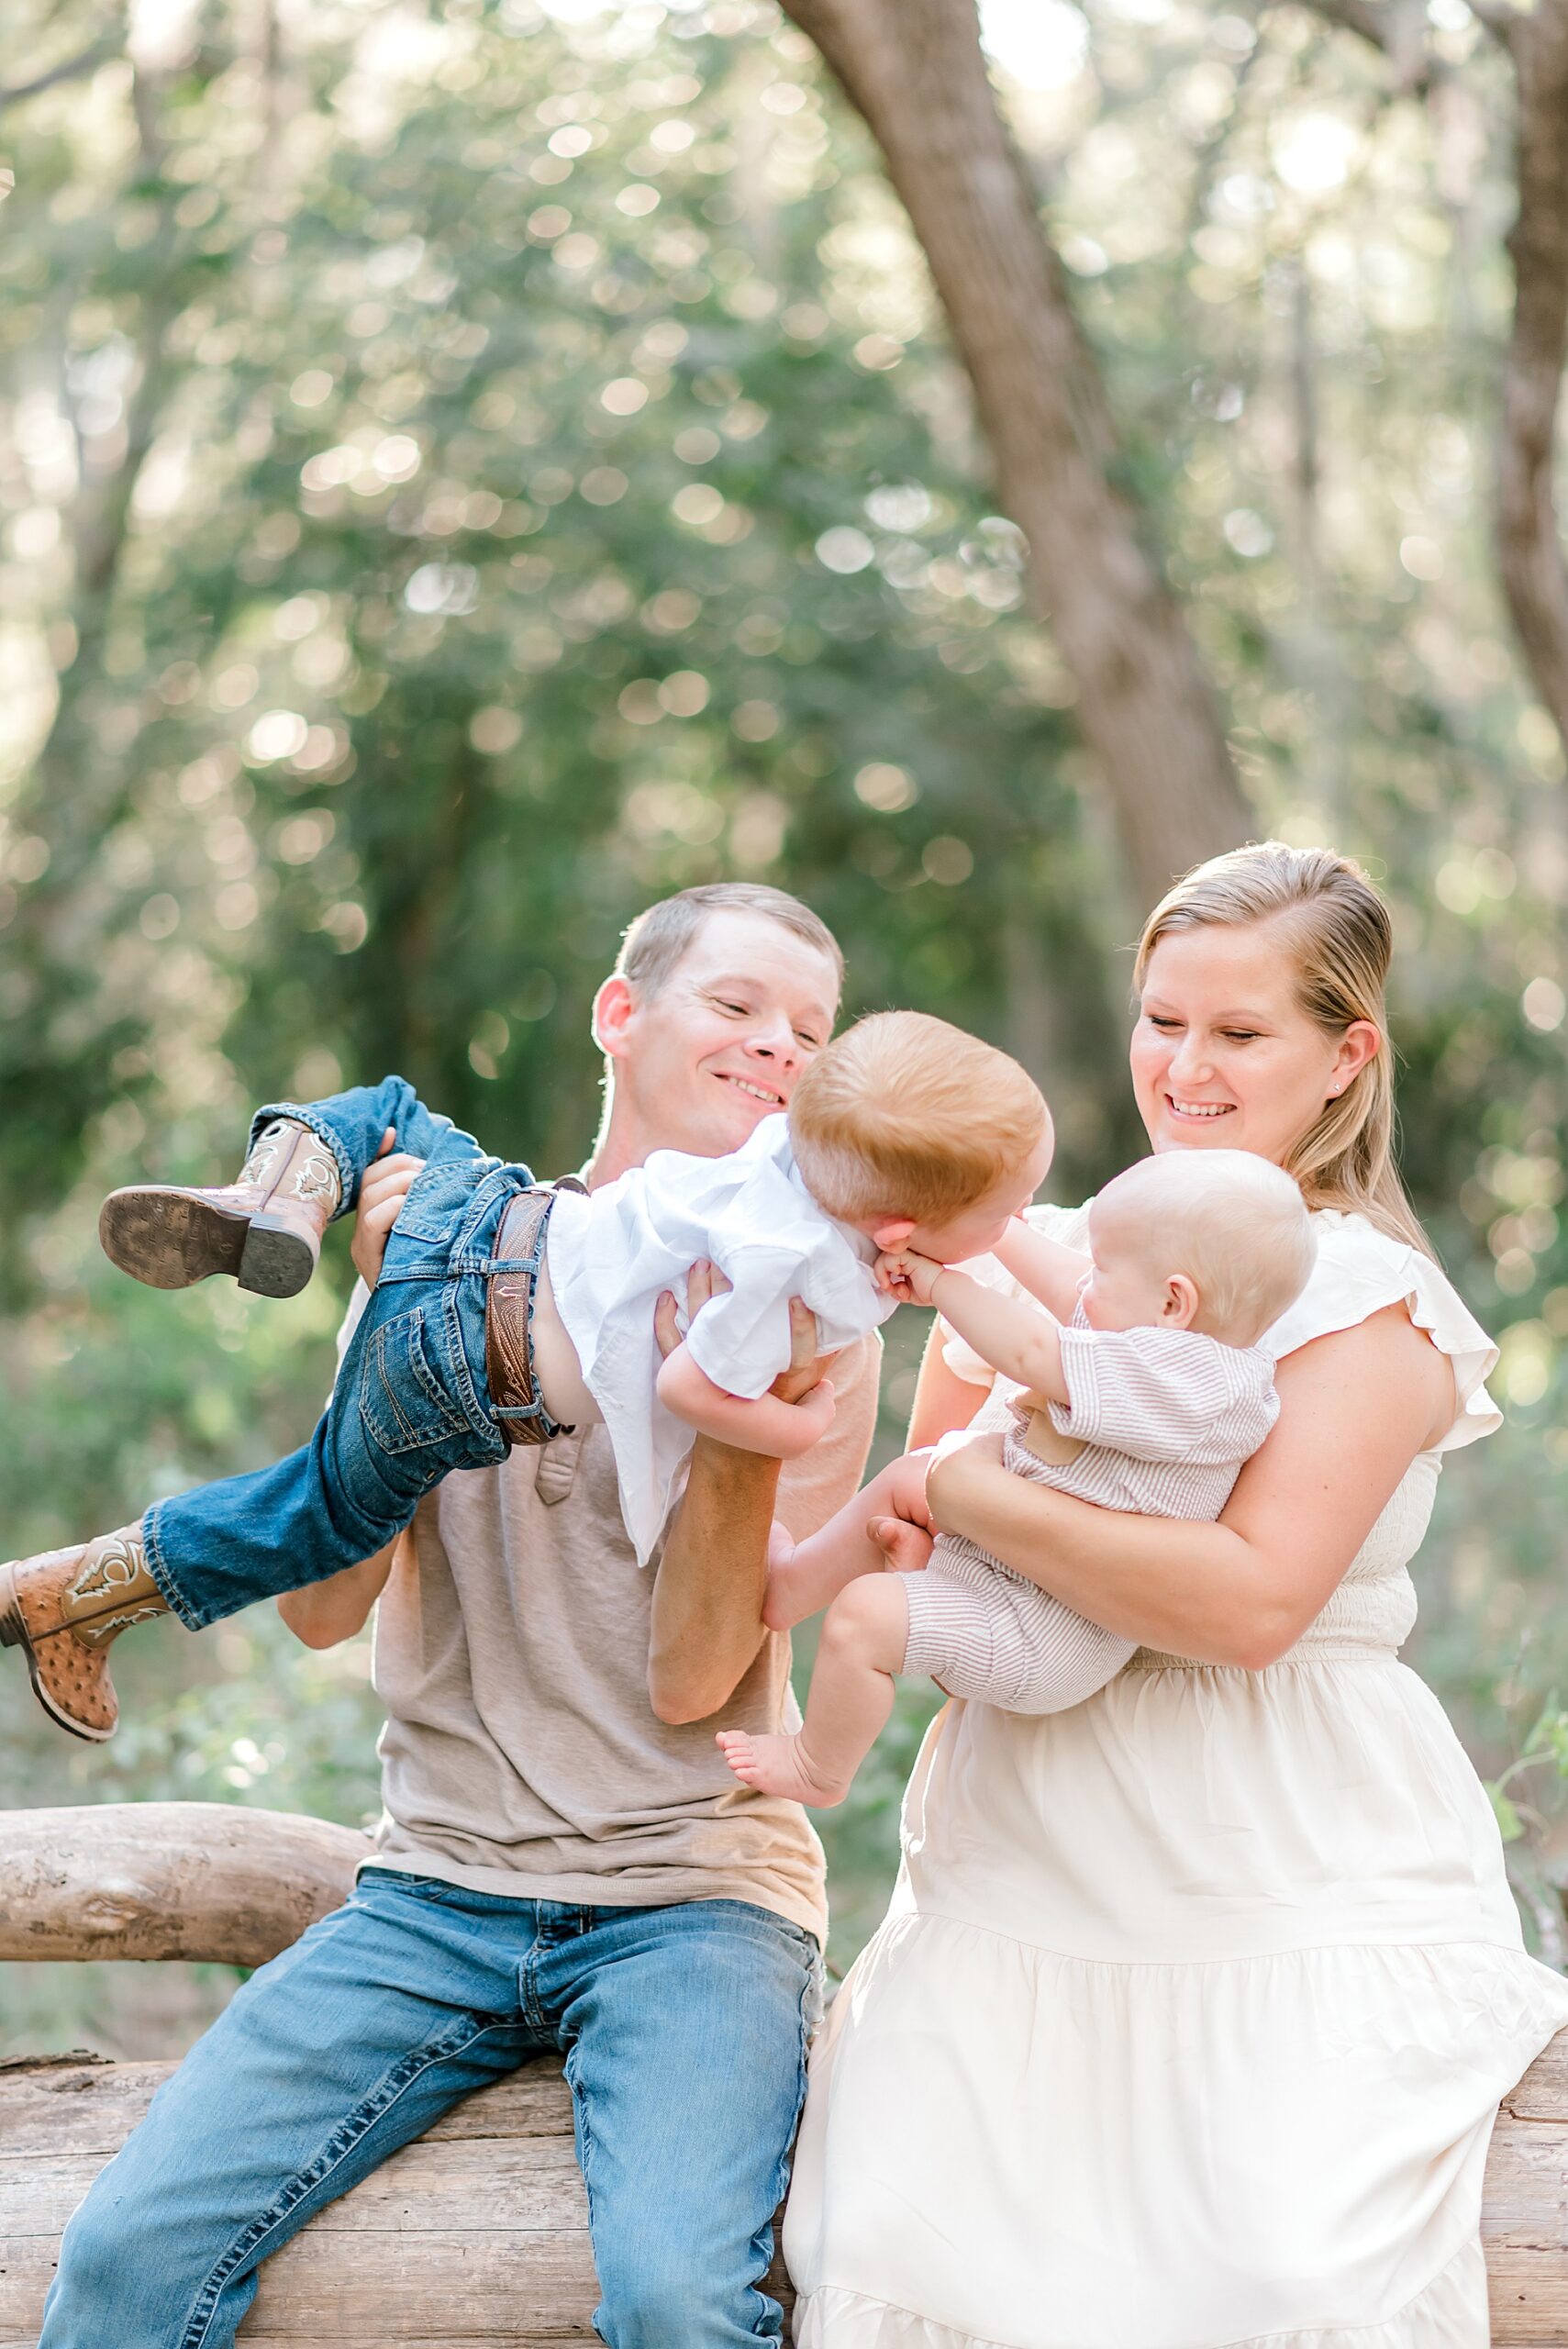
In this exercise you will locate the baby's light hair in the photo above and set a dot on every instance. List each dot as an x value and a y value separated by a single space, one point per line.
903 1115
1235 1223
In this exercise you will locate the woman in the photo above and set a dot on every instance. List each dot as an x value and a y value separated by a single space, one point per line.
1188 2023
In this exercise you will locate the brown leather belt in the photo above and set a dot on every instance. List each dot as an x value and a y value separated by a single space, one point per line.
508 1308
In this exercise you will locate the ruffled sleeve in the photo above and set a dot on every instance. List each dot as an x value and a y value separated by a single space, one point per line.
1359 1271
1068 1225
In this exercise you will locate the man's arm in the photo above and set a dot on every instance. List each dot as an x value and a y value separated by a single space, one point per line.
707 1599
329 1611
325 1612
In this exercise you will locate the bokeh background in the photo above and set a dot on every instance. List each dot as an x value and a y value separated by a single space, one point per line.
467 470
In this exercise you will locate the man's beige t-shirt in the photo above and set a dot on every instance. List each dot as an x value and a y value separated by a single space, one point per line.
521 1755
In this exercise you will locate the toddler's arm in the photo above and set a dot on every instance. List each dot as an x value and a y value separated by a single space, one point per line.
1048 1270
783 1430
1022 1340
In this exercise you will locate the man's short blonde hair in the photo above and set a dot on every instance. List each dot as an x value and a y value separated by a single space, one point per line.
1235 1223
655 944
903 1115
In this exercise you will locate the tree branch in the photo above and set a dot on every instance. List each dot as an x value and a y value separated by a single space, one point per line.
207 1880
1528 540
1396 28
1501 21
72 70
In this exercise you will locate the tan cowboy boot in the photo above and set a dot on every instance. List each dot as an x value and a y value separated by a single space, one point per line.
63 1608
265 1228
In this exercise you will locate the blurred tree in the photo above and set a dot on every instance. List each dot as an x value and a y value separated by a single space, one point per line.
1530 558
542 480
915 71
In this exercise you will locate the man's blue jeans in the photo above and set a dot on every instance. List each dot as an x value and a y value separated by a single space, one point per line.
684 2032
411 1403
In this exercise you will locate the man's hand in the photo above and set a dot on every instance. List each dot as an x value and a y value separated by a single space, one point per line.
383 1186
703 1282
900 1272
807 1368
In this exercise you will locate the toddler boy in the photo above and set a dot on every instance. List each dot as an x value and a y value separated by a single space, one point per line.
506 1312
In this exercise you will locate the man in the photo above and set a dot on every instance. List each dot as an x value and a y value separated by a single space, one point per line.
564 1861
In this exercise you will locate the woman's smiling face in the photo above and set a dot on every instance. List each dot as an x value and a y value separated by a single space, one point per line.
1223 1055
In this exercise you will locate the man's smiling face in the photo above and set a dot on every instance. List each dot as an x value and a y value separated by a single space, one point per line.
723 1042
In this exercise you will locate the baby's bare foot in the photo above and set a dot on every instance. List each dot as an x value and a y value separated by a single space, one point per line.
792 1592
778 1766
906 1548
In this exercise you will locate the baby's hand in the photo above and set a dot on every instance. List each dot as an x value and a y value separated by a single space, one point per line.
911 1278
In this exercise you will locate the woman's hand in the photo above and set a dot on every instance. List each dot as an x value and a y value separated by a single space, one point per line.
383 1186
956 1473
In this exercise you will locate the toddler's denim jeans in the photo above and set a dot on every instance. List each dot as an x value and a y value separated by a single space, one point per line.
685 2030
411 1403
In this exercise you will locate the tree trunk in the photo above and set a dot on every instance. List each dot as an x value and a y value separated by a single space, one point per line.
203 1880
914 69
1530 563
1529 547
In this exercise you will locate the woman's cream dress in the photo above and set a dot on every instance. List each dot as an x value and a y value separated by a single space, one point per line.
1188 2022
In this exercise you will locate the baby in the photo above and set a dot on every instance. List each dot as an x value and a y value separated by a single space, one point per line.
508 1312
1142 1387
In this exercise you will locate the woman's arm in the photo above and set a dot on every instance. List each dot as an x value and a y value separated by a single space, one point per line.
1356 1409
1052 1273
943 1400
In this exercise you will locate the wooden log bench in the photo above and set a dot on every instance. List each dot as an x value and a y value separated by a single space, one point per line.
477 2233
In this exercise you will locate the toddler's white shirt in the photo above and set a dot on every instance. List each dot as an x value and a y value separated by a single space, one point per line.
612 1250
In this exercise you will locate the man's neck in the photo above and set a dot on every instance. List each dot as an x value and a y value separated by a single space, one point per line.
604 1165
621 1144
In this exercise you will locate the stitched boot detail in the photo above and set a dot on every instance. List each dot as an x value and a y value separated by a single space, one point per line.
266 1230
64 1609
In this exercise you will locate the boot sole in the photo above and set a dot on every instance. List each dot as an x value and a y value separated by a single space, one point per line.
14 1633
170 1240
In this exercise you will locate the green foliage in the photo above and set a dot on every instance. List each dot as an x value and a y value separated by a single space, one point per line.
1546 1747
467 470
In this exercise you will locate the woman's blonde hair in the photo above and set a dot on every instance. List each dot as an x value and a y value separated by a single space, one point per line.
1342 943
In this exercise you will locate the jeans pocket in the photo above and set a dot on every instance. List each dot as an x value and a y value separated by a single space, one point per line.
404 1403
